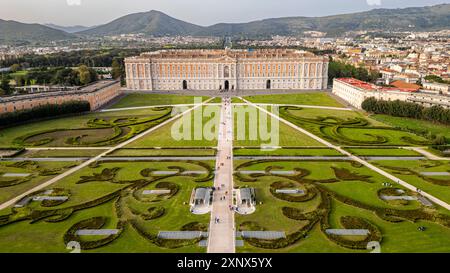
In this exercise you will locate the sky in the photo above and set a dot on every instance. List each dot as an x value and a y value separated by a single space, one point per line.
201 12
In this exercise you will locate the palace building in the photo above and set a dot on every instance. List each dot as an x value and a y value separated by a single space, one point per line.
227 69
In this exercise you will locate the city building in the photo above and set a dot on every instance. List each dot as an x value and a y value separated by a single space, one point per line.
227 70
97 94
354 92
437 87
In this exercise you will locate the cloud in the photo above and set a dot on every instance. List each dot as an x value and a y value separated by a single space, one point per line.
373 2
74 2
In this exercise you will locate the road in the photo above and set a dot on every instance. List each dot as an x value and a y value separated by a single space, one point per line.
355 158
222 234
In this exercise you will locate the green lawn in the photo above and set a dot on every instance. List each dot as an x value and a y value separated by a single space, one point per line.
285 152
136 100
349 128
396 236
35 169
382 152
61 153
164 152
216 100
315 98
414 178
201 134
59 130
21 236
247 132
414 124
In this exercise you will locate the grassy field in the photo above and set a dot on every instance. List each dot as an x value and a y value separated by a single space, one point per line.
164 152
247 132
202 134
216 100
36 176
61 153
137 100
285 152
176 210
126 180
350 128
315 98
412 175
414 124
72 126
396 236
382 152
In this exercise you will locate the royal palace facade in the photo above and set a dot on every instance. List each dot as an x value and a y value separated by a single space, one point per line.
227 70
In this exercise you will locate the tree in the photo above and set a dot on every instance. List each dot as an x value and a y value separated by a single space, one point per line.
15 67
87 75
116 71
439 140
5 87
407 109
342 70
434 78
20 80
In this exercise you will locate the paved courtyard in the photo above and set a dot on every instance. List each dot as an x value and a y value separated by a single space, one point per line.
222 233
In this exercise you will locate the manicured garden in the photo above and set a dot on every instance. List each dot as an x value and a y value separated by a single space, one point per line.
176 152
313 98
337 194
18 177
248 130
113 193
189 131
377 151
94 129
415 173
139 100
350 128
417 125
110 195
285 151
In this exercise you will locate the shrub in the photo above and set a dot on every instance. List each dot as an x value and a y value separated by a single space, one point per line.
407 109
195 226
91 223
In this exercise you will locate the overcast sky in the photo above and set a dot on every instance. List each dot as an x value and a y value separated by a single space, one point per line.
202 12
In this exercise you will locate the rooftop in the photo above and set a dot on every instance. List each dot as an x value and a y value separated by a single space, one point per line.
372 87
233 53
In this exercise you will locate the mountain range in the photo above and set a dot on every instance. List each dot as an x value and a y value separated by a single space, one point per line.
157 23
12 32
69 29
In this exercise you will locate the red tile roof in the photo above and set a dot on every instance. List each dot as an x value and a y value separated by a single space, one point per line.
372 87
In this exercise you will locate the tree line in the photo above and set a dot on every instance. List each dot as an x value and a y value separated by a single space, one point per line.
397 108
79 76
338 69
90 58
44 111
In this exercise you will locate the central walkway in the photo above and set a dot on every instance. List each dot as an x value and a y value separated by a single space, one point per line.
221 229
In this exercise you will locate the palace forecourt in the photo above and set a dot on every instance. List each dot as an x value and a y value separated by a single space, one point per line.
227 69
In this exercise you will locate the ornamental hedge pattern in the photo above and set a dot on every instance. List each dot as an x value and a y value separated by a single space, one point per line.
125 214
320 215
